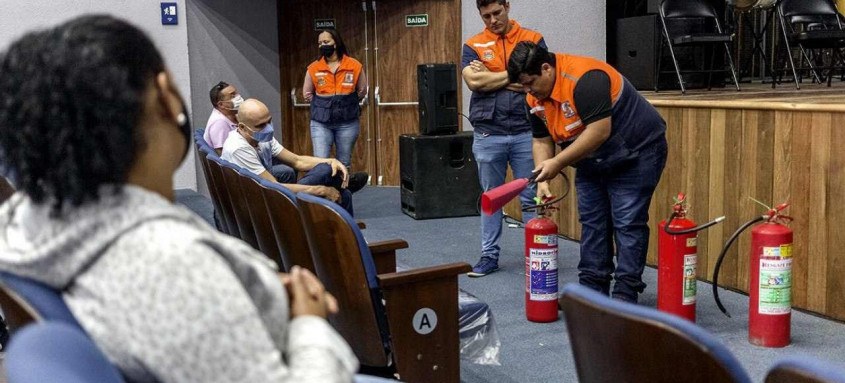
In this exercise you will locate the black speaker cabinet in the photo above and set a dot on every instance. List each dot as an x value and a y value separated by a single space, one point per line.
439 176
638 39
438 98
653 6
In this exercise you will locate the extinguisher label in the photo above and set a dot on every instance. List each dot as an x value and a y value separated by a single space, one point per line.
782 251
550 240
543 274
692 241
775 286
690 287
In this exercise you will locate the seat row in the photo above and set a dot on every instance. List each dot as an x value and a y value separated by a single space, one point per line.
405 322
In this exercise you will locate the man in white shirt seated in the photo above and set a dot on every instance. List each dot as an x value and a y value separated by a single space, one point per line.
252 146
226 100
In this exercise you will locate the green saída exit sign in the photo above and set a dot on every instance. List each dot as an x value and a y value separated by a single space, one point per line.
416 20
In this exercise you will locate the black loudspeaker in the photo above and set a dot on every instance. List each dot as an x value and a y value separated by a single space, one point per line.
653 6
636 50
638 39
439 176
438 98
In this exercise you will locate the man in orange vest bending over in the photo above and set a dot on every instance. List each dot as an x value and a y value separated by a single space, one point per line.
614 138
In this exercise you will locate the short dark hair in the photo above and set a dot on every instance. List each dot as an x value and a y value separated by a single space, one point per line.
484 3
528 58
214 93
71 101
339 46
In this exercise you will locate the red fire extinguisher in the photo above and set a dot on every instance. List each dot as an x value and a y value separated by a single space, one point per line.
677 259
770 279
541 283
541 235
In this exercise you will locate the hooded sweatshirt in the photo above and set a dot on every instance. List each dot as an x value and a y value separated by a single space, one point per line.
165 296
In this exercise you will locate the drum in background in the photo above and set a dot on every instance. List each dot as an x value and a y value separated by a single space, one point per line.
747 5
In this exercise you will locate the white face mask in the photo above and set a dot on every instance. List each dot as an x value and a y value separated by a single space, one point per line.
236 102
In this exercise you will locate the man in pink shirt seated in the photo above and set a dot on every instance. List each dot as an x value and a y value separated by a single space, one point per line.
226 100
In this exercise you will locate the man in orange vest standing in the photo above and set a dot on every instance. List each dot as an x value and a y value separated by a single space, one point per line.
498 113
617 142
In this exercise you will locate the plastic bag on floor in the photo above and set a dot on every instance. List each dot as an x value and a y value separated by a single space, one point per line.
479 338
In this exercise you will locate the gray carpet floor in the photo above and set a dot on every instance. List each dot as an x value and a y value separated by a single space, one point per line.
532 352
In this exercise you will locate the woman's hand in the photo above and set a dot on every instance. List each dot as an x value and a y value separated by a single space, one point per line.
307 294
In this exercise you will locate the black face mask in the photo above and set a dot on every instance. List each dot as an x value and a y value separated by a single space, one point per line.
327 50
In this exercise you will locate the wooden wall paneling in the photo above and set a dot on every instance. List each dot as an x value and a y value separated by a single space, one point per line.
696 171
399 50
756 180
732 199
716 201
818 216
569 219
798 195
748 169
671 180
835 305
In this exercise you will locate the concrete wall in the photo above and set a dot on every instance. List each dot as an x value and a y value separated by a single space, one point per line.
20 17
571 26
230 42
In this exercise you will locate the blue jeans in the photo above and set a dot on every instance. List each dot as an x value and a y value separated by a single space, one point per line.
283 174
341 134
613 206
322 175
493 153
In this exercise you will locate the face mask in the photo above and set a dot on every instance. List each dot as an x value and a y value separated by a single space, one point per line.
263 135
184 123
236 102
327 50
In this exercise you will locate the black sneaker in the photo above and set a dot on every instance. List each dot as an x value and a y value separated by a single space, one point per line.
357 181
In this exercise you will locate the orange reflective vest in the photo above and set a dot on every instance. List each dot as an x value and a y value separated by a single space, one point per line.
495 51
559 111
335 94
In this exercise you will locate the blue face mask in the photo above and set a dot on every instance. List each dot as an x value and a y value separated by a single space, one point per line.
264 135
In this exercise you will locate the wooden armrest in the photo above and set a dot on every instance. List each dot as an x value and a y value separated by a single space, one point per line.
422 314
384 254
385 246
361 224
423 274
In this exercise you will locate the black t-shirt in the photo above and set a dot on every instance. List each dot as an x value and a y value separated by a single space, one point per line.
592 101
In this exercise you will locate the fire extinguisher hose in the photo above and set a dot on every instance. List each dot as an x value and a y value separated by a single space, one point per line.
692 229
552 202
722 258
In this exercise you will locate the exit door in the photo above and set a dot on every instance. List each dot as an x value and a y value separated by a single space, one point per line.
390 38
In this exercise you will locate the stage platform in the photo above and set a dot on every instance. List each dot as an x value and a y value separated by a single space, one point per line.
811 97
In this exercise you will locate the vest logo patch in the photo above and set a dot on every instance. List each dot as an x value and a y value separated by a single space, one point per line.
568 112
321 81
348 78
540 112
488 55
